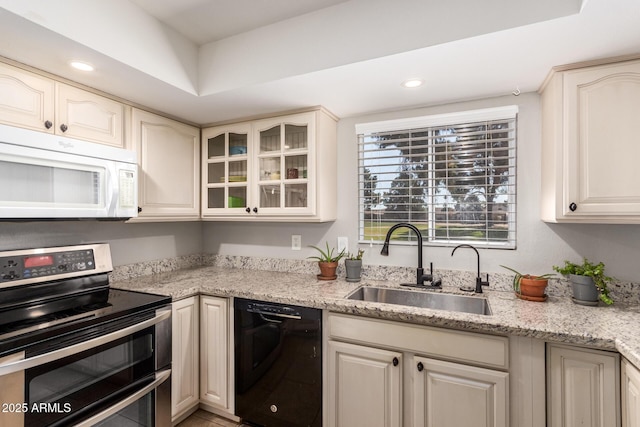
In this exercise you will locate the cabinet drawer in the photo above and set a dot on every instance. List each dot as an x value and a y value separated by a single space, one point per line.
479 349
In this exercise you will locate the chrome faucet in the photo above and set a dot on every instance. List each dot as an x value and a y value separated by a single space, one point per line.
420 276
479 282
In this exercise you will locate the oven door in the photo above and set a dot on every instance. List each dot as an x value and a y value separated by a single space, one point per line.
96 375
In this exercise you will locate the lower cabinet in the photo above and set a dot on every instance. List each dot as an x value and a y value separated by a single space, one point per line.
185 369
383 373
364 386
451 394
630 395
216 368
583 387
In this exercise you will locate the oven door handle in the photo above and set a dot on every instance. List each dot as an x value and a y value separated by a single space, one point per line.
41 359
160 377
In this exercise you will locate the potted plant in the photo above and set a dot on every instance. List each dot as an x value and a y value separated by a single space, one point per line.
588 282
328 262
528 287
353 265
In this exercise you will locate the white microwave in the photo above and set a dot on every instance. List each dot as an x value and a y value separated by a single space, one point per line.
45 176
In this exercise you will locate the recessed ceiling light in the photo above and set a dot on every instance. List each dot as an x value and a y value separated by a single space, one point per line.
83 66
412 83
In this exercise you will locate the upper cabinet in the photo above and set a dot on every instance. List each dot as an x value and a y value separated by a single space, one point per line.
590 144
31 101
277 169
168 168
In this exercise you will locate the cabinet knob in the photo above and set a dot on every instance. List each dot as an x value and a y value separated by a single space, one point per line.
420 366
248 210
573 207
48 124
139 209
63 127
255 210
395 361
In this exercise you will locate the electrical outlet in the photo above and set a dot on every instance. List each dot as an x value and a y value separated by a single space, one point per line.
296 242
343 244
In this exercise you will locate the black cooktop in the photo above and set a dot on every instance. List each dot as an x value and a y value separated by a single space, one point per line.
81 311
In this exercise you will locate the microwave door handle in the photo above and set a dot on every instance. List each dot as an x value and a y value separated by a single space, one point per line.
110 178
41 359
160 377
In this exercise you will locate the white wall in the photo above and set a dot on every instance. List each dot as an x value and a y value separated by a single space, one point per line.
540 245
130 243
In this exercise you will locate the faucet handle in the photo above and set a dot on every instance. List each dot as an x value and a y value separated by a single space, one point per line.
485 283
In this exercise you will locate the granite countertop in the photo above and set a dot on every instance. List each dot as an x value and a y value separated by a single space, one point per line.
558 319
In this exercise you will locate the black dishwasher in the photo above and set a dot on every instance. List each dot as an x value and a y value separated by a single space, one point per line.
278 364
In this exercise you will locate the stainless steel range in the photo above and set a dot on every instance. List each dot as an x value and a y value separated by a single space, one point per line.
73 350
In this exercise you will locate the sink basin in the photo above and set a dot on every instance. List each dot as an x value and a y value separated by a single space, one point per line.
436 301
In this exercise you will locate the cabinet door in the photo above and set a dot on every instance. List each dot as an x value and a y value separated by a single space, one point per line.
226 166
630 395
185 369
364 386
284 165
603 143
169 167
26 99
582 387
452 395
214 359
85 115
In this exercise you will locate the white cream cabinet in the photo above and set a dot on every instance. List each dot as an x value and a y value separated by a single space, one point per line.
630 395
395 374
168 168
591 144
36 102
583 387
216 364
185 369
365 386
275 169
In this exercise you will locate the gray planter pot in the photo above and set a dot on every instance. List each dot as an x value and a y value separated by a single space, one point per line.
354 269
584 290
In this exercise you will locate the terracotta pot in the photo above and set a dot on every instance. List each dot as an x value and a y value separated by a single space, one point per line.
327 270
533 289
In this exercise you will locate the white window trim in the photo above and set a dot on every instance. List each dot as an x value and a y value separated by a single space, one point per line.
446 119
437 120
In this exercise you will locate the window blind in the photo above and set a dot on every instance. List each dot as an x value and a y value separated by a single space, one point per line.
456 181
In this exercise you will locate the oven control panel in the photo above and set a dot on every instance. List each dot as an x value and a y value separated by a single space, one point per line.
42 265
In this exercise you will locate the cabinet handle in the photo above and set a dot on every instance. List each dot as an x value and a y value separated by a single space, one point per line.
48 124
139 209
248 210
395 361
420 366
63 127
255 210
573 207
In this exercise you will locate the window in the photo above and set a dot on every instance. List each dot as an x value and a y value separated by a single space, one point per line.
453 176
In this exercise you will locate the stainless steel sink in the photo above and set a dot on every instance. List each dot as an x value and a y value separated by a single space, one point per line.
433 300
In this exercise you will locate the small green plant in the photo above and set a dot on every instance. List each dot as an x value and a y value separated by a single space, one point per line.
518 276
589 269
355 257
328 255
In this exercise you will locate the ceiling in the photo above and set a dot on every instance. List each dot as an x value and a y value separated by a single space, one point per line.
209 61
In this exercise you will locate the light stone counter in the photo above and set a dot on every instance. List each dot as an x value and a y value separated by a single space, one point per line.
613 328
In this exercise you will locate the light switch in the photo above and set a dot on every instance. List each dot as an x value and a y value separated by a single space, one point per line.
343 244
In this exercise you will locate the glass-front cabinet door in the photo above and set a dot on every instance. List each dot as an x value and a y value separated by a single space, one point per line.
277 169
284 156
226 163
